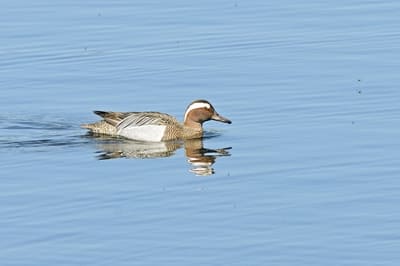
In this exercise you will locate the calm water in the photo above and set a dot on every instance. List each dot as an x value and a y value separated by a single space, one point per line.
307 174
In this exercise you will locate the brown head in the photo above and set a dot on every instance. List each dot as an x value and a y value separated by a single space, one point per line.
200 111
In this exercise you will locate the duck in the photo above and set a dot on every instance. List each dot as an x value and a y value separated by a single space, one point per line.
156 126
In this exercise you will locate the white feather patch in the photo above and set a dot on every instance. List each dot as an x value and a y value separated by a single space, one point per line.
144 133
196 106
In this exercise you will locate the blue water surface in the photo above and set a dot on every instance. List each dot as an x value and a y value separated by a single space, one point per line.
307 174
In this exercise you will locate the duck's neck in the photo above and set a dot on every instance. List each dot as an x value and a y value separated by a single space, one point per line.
192 129
193 125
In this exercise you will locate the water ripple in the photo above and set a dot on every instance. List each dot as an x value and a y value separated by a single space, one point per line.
31 132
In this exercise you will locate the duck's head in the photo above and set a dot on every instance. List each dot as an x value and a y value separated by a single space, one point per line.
200 111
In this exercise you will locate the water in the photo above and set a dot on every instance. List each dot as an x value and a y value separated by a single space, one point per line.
307 174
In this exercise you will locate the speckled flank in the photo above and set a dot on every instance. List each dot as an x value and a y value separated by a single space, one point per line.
173 132
101 127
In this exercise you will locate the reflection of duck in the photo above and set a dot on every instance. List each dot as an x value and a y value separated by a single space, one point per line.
199 157
122 148
155 126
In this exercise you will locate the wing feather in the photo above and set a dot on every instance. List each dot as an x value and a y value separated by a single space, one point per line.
145 118
113 118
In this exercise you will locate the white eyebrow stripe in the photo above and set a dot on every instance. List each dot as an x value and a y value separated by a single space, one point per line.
196 106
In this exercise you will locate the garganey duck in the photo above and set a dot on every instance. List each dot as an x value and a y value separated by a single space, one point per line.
155 126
